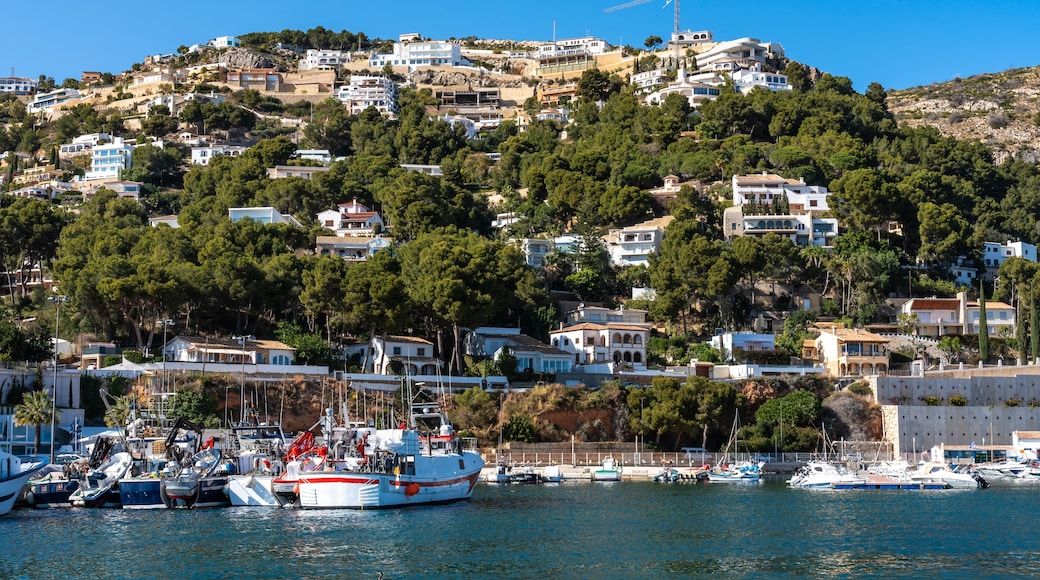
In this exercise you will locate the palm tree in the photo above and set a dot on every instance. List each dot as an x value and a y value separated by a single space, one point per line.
116 415
35 410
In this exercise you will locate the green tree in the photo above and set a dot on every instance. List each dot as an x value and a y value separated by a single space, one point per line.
652 42
1034 326
196 405
117 414
35 410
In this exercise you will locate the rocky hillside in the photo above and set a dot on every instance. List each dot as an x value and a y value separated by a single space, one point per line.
1001 110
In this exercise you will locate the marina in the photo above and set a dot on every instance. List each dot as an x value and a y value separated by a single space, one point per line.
627 529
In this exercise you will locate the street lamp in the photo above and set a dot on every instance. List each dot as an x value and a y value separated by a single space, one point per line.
57 300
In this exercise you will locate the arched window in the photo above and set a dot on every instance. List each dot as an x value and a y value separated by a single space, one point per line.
636 357
637 339
628 356
617 338
628 339
556 342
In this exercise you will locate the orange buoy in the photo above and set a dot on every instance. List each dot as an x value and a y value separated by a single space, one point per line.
412 489
296 489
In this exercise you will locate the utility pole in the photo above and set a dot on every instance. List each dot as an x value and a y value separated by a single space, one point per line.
57 300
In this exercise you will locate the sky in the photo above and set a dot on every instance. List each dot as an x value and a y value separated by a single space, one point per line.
899 44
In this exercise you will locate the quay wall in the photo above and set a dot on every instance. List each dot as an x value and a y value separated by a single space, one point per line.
918 412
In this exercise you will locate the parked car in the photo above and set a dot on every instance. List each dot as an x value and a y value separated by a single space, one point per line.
764 458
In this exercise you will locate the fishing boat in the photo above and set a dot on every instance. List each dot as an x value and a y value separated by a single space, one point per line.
524 475
198 483
154 457
258 449
501 474
52 486
552 474
610 470
420 462
100 487
15 471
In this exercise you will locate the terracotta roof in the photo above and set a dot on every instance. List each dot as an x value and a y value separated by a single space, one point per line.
935 304
847 334
1028 434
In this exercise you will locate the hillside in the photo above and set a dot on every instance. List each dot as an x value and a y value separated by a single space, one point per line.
1001 110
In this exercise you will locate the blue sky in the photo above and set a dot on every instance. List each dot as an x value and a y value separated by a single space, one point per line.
897 43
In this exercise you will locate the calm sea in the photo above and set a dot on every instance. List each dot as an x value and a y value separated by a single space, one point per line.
574 530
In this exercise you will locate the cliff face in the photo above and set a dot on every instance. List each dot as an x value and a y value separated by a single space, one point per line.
1001 110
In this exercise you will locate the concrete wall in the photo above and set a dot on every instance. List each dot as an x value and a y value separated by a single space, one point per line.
912 424
920 427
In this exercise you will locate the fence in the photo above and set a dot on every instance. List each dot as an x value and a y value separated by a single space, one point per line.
654 458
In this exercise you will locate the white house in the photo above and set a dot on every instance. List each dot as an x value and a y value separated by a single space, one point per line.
351 219
18 86
322 59
585 45
765 188
530 354
47 102
417 53
225 42
198 349
632 245
264 215
413 356
803 229
202 155
744 51
354 248
728 342
364 91
283 171
109 159
615 343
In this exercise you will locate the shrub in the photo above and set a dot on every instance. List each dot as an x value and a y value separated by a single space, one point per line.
997 120
1012 402
931 400
956 117
861 389
958 400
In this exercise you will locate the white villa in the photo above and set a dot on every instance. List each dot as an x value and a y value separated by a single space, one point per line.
413 53
633 245
364 91
263 215
351 219
323 59
109 159
767 203
415 355
203 155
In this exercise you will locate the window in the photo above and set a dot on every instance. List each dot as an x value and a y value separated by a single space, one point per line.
421 351
397 350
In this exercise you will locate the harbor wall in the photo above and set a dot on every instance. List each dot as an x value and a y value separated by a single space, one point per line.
918 412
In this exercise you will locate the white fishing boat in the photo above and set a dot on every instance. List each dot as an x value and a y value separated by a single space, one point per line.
423 462
15 471
258 449
823 474
552 474
610 470
100 487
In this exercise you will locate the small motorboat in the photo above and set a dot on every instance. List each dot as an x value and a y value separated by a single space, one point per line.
668 475
552 474
610 470
100 488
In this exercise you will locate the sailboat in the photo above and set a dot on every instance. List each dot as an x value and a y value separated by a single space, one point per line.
741 472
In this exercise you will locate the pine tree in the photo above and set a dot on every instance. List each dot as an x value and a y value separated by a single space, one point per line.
1020 333
983 330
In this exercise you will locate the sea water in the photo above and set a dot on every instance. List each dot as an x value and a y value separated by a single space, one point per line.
573 530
